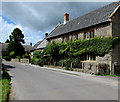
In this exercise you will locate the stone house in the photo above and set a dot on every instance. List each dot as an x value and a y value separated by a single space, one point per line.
103 22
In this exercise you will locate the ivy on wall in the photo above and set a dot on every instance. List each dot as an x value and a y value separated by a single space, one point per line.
98 46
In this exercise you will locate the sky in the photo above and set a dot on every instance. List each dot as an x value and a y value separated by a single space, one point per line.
37 18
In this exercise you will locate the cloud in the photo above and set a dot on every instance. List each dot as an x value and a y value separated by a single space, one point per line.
5 29
59 0
37 18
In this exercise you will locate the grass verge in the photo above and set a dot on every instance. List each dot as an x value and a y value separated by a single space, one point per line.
5 86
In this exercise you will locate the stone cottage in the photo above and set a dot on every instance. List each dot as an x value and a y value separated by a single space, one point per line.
103 22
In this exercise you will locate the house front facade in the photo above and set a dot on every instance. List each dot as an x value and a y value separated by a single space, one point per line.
103 22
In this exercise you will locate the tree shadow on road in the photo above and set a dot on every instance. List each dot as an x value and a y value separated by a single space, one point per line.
7 66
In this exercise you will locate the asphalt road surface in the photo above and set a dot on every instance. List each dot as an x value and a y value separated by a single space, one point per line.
35 83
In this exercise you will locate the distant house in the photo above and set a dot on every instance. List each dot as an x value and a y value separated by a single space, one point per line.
4 48
40 45
103 22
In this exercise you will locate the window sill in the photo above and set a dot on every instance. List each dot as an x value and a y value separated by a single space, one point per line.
88 61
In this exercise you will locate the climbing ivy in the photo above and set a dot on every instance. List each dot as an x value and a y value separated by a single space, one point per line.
98 46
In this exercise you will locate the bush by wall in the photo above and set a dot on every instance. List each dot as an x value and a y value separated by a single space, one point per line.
37 58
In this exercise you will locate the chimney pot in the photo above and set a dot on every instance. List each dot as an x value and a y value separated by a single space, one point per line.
66 18
30 44
46 34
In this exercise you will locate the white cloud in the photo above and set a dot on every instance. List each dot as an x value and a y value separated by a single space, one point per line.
59 0
5 30
30 36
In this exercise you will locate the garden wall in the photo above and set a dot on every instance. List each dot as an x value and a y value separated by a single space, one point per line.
24 60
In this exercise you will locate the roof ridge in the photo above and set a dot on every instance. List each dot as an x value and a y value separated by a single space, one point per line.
98 16
93 11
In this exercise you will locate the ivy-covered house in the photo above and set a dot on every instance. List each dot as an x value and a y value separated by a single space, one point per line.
103 22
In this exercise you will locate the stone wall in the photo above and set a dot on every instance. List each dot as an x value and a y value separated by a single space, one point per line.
15 60
116 33
103 30
57 40
102 65
24 60
89 67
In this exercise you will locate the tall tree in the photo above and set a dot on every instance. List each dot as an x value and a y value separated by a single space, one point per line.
15 43
7 41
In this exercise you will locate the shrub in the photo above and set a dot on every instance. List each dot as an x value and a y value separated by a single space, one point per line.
67 62
7 58
76 63
26 55
37 54
68 68
36 61
52 50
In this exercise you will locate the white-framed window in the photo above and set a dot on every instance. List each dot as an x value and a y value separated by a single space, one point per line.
89 57
76 37
89 34
65 39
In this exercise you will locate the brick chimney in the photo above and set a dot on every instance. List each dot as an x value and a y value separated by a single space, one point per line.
46 34
66 18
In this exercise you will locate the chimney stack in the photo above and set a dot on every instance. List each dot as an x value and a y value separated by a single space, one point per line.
30 44
66 18
46 34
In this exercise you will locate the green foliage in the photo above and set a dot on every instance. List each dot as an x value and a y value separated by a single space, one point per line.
37 54
68 68
76 63
5 85
37 58
26 55
73 51
98 46
12 54
52 50
14 44
17 36
37 61
7 58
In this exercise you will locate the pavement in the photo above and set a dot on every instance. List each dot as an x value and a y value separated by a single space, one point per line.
32 82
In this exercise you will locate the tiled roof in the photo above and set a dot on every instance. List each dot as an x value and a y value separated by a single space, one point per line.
98 16
27 48
40 45
36 45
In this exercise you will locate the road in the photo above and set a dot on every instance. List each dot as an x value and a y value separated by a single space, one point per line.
35 83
